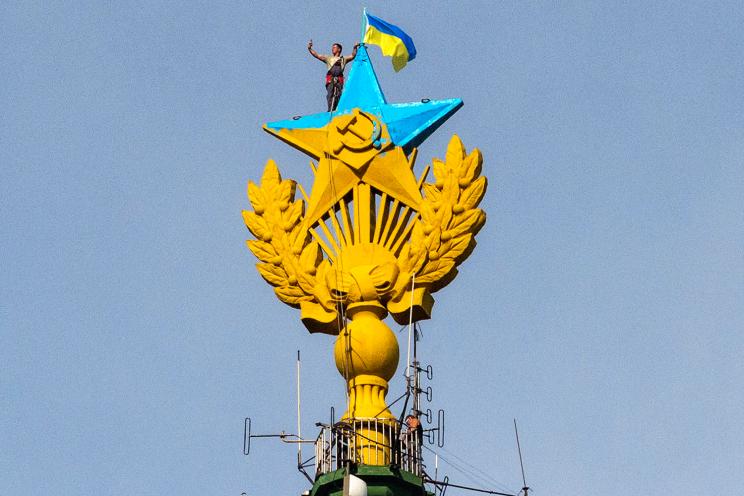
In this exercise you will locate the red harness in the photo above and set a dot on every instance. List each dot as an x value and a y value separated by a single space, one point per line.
339 79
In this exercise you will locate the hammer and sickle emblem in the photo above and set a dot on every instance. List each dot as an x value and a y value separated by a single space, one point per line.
358 132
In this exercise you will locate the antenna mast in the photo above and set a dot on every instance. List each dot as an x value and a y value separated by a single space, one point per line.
521 465
416 375
299 432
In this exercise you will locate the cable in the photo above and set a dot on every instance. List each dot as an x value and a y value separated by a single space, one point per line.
468 488
467 473
473 472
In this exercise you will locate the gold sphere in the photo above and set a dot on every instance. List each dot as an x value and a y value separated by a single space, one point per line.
367 346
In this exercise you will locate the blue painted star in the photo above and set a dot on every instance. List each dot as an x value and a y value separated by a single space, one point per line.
408 124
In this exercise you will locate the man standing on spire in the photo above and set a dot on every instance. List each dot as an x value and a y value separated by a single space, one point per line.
336 63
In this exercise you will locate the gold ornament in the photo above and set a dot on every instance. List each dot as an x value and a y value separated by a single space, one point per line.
369 240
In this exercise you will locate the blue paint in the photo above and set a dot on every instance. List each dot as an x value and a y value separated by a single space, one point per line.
313 121
362 89
409 124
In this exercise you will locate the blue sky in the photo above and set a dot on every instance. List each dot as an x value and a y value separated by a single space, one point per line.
603 307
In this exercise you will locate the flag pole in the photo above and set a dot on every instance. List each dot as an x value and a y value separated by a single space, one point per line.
364 24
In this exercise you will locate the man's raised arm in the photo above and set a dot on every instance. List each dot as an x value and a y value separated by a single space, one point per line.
315 54
349 58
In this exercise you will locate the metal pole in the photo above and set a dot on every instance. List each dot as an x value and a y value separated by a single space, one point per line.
364 24
299 432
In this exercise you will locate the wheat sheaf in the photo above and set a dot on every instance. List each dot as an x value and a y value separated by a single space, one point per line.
426 244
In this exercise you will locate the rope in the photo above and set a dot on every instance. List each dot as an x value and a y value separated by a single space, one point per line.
341 319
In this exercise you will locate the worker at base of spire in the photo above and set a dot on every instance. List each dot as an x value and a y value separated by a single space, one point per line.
335 63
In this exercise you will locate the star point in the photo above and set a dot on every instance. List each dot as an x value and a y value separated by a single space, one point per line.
409 124
365 140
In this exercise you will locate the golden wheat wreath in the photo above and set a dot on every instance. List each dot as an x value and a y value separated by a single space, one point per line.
320 276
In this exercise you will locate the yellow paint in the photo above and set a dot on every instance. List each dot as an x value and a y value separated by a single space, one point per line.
385 169
366 355
367 227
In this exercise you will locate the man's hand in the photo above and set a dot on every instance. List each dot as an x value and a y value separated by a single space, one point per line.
349 58
313 52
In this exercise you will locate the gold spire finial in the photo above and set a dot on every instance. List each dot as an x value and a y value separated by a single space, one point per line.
371 239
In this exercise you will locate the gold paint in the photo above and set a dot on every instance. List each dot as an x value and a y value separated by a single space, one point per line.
392 226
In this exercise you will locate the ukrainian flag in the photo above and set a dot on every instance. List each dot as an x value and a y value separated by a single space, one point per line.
393 41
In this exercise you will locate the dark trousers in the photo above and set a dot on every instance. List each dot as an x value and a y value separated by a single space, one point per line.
333 95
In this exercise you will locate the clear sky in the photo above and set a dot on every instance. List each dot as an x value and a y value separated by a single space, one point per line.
603 307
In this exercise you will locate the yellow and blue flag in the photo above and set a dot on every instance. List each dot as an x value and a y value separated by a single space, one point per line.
392 40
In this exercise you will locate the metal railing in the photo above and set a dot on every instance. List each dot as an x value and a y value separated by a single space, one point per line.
370 441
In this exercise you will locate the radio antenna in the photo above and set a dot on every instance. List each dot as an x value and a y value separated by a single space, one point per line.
410 333
525 489
299 432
